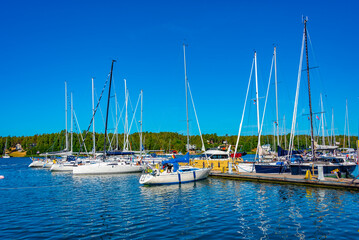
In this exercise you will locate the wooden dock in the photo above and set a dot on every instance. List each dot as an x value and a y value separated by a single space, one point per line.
342 183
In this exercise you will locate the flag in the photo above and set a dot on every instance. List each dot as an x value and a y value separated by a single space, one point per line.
317 117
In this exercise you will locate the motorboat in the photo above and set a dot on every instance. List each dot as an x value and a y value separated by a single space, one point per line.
36 163
173 173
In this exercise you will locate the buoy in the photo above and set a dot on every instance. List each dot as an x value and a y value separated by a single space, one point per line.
2 177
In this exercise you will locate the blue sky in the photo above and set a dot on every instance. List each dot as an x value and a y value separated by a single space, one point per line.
45 43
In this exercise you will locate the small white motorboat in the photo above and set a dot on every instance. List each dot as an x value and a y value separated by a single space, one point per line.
179 174
36 163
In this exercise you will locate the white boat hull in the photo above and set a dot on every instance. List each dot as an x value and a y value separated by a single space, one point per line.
107 168
36 164
62 167
245 167
175 177
48 164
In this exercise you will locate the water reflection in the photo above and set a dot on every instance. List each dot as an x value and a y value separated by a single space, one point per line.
117 207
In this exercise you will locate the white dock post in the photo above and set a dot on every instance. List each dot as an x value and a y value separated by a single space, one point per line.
320 173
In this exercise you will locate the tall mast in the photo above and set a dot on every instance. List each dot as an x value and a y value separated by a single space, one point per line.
141 124
322 108
66 137
93 121
108 106
116 104
125 144
310 99
257 99
274 143
276 93
285 133
347 116
333 132
186 84
72 122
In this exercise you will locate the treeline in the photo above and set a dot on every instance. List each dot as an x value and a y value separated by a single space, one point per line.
155 141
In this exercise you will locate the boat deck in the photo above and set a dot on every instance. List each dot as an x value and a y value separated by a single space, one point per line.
328 182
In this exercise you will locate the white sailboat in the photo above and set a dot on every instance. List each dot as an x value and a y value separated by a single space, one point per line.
5 155
246 166
105 166
328 163
179 174
69 162
172 172
47 163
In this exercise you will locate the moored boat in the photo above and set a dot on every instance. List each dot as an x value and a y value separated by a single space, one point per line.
172 173
5 154
36 163
107 168
329 164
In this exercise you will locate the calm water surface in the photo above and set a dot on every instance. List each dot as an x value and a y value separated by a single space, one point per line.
38 204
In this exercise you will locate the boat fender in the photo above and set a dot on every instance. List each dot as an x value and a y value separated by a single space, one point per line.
194 175
179 177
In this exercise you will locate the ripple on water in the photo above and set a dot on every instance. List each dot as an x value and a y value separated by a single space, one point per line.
38 204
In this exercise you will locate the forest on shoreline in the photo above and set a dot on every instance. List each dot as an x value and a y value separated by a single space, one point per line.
164 141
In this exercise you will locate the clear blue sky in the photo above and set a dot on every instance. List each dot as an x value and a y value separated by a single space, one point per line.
44 43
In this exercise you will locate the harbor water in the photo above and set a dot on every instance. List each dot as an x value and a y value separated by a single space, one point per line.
38 204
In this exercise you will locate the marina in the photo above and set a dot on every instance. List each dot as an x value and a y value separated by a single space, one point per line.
179 120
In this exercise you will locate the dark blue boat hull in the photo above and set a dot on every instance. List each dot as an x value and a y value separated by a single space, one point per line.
299 169
266 168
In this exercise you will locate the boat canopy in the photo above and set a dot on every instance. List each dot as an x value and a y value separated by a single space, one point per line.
71 158
119 153
184 159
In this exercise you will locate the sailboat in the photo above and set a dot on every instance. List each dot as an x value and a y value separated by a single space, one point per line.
329 164
5 155
172 172
69 162
48 162
262 151
105 166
